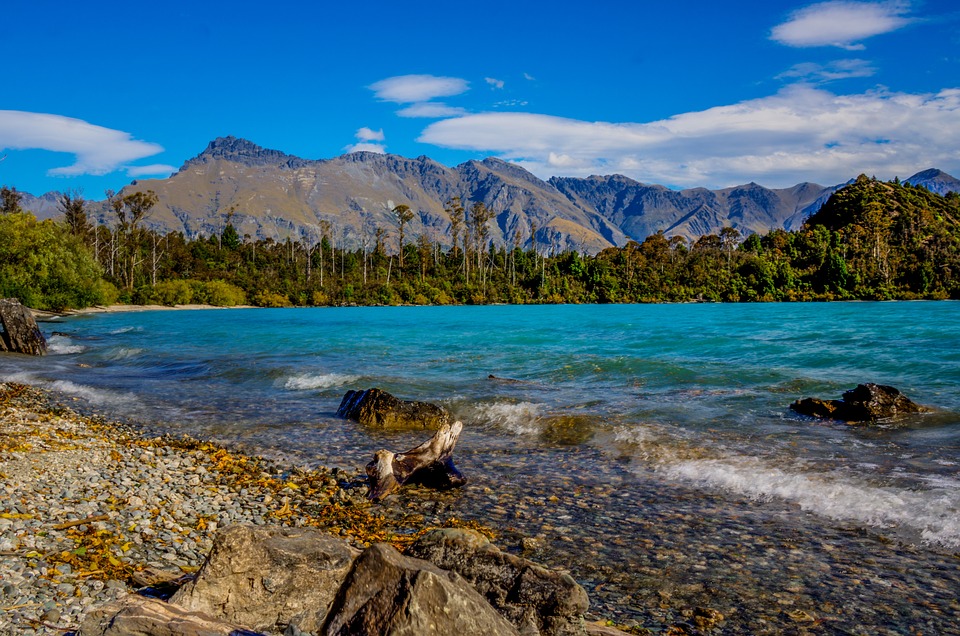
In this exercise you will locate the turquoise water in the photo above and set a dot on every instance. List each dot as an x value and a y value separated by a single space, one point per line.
691 395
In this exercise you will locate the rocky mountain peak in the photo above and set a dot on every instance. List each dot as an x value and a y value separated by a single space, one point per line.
244 152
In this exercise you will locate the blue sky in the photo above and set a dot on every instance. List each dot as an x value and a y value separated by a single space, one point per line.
683 93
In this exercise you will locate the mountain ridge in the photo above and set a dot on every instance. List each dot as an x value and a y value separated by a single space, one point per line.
271 194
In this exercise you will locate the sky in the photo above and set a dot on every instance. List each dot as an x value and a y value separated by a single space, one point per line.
683 93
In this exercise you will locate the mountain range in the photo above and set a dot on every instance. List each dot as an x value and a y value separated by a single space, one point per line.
270 194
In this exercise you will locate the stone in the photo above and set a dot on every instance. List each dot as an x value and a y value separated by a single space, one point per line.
375 407
865 403
18 329
534 599
389 594
268 577
134 615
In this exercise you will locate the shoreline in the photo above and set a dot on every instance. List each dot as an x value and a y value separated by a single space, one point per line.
88 507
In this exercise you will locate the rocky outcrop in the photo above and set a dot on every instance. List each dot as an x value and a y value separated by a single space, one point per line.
388 593
140 616
294 581
18 329
267 578
865 403
375 407
536 600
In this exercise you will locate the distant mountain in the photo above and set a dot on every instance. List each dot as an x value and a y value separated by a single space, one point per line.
935 181
270 194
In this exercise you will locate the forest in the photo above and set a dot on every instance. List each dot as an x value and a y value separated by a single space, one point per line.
872 240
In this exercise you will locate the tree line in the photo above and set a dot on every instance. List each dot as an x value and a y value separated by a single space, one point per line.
871 240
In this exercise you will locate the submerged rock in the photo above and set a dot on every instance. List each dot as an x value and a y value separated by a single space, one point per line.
375 407
865 403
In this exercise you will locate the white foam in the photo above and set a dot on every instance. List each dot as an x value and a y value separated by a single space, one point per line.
520 418
124 353
308 382
933 514
62 345
95 396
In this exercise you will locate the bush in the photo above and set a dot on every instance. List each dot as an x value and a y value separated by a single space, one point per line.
223 294
271 299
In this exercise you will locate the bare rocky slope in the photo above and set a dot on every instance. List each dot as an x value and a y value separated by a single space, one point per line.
270 194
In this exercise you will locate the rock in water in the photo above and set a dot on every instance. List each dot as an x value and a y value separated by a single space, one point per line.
388 593
269 577
865 403
375 407
537 601
18 330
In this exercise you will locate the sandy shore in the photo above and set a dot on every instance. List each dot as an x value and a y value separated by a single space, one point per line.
119 309
91 510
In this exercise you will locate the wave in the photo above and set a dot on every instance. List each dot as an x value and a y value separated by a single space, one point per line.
931 515
123 353
62 345
521 418
89 393
308 382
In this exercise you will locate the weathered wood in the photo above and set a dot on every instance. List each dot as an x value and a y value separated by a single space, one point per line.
430 464
18 329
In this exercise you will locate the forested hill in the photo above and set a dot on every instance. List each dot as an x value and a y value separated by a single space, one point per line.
894 236
872 240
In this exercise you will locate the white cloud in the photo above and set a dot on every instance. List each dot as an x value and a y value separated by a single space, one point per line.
368 134
800 133
97 150
830 72
432 110
529 77
366 147
841 23
493 82
408 89
154 169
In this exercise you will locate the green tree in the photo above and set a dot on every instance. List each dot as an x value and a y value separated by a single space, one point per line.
404 215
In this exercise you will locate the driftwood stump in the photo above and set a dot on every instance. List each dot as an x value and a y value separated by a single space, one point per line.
430 464
18 330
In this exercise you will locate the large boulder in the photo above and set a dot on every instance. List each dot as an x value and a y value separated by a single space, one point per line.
375 407
536 600
388 594
141 616
18 329
865 403
269 577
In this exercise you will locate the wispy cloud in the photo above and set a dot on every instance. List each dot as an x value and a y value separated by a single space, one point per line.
97 150
841 23
529 77
800 133
365 141
408 89
432 110
830 72
493 82
153 170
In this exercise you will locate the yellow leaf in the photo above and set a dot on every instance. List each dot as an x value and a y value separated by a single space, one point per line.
113 561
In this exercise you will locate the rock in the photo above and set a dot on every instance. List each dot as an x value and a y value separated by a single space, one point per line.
140 616
18 329
599 629
267 577
387 593
865 403
374 407
536 600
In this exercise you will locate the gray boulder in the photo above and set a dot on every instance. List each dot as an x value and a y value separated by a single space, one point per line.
388 594
536 600
269 577
140 616
375 407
